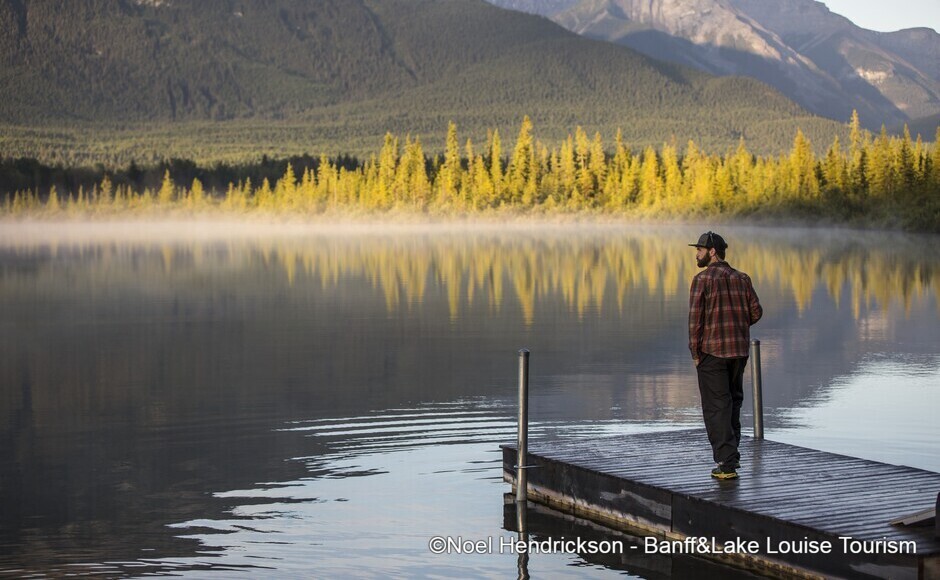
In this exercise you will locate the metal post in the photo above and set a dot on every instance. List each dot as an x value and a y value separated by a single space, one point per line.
522 561
758 394
936 519
521 480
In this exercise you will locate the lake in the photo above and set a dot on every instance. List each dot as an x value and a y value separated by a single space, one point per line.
320 401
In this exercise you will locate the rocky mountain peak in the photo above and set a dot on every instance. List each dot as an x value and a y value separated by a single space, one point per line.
793 17
818 58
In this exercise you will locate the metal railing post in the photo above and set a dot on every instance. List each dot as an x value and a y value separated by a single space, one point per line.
758 390
522 451
522 561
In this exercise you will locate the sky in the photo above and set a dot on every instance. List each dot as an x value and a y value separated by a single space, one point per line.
888 16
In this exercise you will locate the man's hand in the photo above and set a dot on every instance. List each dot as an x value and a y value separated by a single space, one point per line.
695 360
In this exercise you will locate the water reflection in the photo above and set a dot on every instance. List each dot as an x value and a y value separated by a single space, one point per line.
879 393
226 400
379 487
588 269
546 524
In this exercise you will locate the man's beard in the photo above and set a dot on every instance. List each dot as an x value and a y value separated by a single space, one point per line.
703 262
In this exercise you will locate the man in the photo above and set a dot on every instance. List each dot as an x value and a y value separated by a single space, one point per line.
722 308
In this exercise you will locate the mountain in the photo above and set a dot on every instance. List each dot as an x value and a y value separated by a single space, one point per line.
919 46
338 74
546 8
816 57
862 61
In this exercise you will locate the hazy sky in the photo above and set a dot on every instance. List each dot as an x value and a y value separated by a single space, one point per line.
888 16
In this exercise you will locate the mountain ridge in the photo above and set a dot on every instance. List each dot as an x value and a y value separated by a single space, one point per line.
338 73
818 58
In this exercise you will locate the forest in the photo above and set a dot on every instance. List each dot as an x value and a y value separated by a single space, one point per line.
872 180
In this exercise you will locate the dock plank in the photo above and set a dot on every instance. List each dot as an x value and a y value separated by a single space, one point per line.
660 482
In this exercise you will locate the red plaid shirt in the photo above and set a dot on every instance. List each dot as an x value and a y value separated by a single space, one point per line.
722 308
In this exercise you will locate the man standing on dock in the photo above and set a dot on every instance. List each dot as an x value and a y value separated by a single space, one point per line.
722 308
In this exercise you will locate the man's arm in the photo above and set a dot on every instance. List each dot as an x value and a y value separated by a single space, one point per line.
753 302
696 312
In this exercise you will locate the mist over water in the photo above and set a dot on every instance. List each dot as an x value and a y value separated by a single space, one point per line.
291 399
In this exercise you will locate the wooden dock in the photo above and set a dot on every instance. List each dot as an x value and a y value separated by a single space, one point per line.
788 499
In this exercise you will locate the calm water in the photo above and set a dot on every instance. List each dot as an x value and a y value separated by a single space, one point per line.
287 403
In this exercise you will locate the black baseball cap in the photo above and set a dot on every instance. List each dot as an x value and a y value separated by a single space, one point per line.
710 240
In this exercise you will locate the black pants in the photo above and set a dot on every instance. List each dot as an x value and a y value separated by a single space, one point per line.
721 384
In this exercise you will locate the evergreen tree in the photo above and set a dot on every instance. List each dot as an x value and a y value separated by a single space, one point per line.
582 152
723 193
197 193
264 197
53 202
858 156
284 190
879 171
597 163
418 186
835 172
484 194
651 187
742 168
568 169
388 163
672 177
167 190
103 194
935 162
496 166
325 187
904 163
449 174
802 183
521 163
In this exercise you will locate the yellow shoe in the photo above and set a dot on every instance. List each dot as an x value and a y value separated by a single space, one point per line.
724 473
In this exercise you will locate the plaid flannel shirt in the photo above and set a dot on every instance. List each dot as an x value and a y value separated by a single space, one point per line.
722 307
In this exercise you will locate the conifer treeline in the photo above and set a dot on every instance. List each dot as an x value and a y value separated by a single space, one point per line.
879 179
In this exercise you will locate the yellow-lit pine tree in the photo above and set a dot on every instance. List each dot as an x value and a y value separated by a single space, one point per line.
325 190
307 190
165 195
651 186
834 170
585 181
742 170
597 168
568 174
196 197
672 178
920 161
412 178
53 202
520 164
102 195
698 179
802 184
484 195
879 168
903 163
284 190
264 196
857 183
449 174
935 162
467 192
496 166
388 162
534 193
